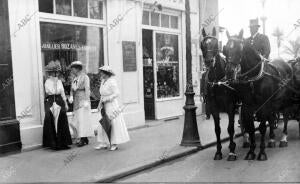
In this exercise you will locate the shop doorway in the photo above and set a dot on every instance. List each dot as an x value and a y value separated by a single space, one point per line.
148 74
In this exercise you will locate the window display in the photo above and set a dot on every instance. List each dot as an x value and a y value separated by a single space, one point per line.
167 65
65 43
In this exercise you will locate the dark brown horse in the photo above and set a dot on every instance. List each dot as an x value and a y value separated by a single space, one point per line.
219 96
261 87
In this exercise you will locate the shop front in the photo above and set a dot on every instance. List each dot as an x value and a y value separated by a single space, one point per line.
142 40
162 38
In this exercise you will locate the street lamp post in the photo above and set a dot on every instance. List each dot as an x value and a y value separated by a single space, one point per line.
190 132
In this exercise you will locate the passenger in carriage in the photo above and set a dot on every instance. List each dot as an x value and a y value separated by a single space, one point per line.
259 42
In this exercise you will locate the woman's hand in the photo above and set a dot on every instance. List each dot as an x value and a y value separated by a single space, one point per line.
66 106
71 99
86 104
100 106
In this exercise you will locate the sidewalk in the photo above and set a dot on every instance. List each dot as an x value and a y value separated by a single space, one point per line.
158 141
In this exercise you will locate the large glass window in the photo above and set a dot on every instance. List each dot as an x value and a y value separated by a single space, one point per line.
7 101
92 9
168 65
67 43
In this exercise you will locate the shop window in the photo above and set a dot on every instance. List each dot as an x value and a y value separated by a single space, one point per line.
146 18
80 8
96 9
92 9
174 22
66 43
154 19
7 98
63 7
168 66
46 6
165 21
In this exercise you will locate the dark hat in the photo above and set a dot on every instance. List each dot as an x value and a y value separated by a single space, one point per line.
254 22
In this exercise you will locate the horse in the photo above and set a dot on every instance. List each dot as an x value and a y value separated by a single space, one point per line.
261 87
292 111
218 95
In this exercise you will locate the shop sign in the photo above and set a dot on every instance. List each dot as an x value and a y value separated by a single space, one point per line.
175 4
129 56
67 46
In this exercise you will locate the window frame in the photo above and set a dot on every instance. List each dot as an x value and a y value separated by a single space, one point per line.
71 20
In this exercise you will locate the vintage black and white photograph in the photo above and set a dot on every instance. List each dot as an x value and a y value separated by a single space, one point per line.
148 91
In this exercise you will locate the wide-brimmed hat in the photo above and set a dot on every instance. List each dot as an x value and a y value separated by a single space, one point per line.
53 66
76 63
107 69
254 22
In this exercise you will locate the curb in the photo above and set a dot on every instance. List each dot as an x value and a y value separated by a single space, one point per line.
152 164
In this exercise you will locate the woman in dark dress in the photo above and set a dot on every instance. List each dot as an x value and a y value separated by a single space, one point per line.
56 133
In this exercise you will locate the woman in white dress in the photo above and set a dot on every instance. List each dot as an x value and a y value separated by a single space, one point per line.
109 93
80 93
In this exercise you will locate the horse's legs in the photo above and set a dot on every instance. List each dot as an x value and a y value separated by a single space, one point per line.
230 129
272 142
247 114
283 141
262 154
216 117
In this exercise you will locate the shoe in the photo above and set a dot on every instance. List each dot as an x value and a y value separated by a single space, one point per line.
113 148
101 146
83 141
86 140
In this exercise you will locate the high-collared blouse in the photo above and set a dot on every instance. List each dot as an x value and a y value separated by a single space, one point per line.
54 86
109 90
80 90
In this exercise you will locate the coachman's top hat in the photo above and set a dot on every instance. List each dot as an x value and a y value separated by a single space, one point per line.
254 22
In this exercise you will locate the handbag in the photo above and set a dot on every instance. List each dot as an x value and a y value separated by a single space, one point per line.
105 123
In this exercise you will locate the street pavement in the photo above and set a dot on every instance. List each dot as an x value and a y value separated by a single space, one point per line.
283 165
157 141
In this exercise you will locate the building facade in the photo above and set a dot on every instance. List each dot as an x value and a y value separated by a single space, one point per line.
142 40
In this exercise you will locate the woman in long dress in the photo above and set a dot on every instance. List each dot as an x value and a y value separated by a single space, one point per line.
56 133
109 93
80 96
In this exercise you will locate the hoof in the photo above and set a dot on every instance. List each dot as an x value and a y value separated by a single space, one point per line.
262 157
250 156
246 145
218 156
232 157
271 144
283 144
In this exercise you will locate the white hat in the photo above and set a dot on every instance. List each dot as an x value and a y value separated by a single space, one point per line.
53 67
76 63
107 69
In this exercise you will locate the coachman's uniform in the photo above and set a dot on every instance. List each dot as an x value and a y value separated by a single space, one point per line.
260 43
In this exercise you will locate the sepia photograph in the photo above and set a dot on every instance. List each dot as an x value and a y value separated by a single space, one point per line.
149 91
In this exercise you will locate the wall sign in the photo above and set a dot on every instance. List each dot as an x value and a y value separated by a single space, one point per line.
129 56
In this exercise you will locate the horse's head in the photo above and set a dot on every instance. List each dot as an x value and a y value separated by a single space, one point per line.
209 47
233 50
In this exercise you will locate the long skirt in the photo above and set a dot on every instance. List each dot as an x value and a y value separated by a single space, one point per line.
82 123
56 136
119 132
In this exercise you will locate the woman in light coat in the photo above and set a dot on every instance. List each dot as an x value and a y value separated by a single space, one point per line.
80 93
109 93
